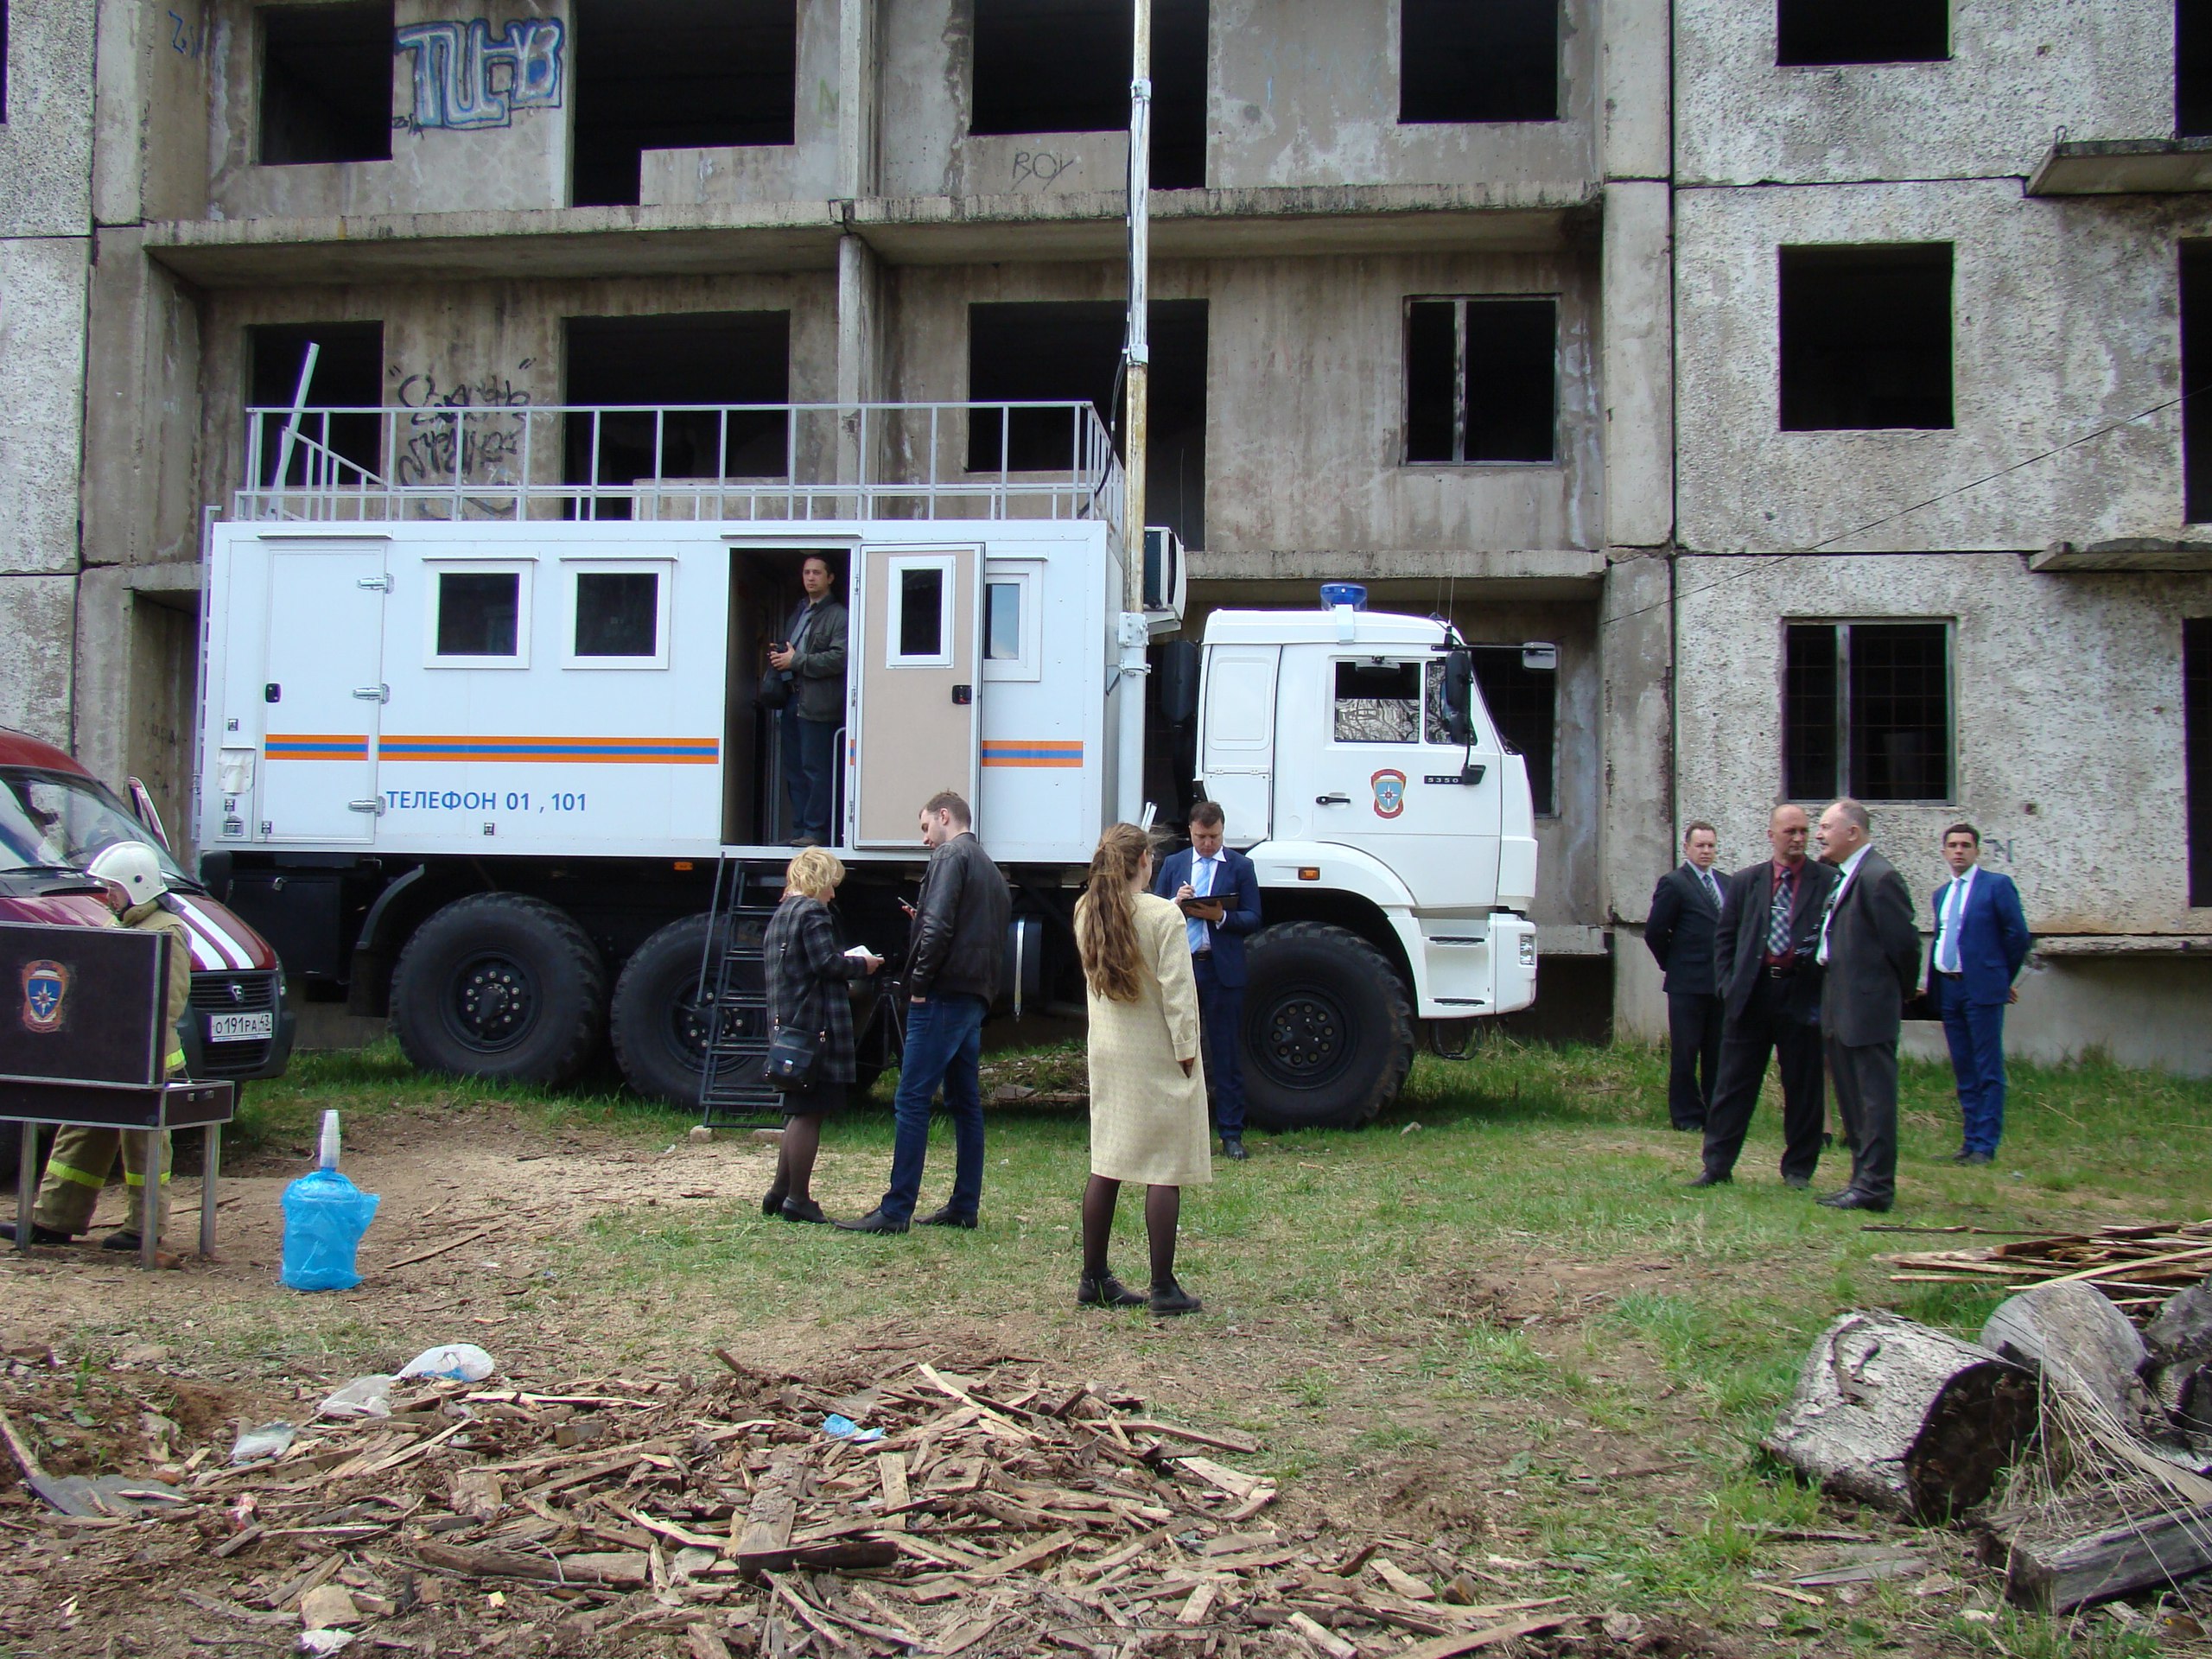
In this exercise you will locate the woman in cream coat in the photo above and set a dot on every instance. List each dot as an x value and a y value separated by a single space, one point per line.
1148 1092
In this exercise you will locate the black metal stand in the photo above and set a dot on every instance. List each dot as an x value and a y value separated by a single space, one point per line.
151 1110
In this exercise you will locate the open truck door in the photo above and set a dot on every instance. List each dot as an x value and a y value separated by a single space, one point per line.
919 668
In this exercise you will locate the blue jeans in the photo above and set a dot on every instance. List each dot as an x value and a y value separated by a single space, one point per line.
944 1044
1221 1013
1976 1032
809 758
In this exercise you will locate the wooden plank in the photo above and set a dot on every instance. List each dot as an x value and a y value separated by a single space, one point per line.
1122 1556
1235 1482
1322 1637
774 1507
2060 1575
1199 1603
1404 1583
1449 1647
1221 1439
1028 1556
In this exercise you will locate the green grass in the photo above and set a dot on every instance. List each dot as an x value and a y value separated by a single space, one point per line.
1343 1275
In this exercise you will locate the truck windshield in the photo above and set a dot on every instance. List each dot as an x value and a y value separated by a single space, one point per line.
49 820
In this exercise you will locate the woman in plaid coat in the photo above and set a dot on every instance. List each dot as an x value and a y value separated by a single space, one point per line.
806 975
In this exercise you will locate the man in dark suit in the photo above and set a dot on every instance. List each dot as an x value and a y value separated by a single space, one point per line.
1981 945
1869 953
1685 908
1220 892
1770 992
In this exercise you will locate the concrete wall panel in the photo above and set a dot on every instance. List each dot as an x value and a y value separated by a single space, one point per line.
1638 364
2067 722
46 139
42 288
2019 69
140 500
150 146
2065 323
37 620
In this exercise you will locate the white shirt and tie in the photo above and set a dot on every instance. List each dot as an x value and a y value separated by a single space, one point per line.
1849 867
1203 871
1953 918
1711 887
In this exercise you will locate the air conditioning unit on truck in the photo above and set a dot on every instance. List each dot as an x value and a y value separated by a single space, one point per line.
482 754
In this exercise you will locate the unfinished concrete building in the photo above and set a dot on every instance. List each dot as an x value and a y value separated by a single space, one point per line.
1435 282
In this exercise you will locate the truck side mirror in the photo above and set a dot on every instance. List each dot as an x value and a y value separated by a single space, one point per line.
1458 695
149 816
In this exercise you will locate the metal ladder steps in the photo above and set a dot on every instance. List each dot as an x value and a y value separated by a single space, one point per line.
732 1094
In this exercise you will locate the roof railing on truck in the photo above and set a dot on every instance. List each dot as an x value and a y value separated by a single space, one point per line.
703 462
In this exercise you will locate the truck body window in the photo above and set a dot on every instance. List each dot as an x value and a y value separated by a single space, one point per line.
919 637
479 613
1002 622
1378 702
1434 728
618 613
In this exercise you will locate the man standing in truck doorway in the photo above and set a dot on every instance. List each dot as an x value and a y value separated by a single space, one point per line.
956 951
812 652
129 874
1219 894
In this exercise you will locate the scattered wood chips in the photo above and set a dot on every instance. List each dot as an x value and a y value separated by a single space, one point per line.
2138 1264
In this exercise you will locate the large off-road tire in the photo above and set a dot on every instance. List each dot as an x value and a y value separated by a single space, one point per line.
1328 1028
660 1020
500 985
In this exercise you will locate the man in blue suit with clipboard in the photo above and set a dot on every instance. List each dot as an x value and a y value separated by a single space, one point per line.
1219 894
1981 943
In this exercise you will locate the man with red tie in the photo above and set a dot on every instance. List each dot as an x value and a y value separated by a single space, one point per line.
1981 943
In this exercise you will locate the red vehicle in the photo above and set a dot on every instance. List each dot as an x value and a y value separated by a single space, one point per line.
54 816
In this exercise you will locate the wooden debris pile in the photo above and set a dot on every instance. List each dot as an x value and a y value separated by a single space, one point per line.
2087 1433
964 1506
2138 1266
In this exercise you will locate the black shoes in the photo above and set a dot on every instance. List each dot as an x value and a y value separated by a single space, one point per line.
1707 1178
43 1234
1799 1182
947 1217
1232 1145
771 1201
1851 1198
802 1209
874 1222
1964 1157
1107 1292
1172 1299
122 1241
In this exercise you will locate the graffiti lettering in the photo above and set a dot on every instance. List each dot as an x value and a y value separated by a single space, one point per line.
461 424
465 81
181 37
1041 167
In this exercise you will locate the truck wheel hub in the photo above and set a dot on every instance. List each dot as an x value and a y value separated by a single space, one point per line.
495 1002
1305 1034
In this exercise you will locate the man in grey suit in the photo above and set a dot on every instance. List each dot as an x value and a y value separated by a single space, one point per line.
1870 955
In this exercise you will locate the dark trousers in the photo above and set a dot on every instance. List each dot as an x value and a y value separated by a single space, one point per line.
809 757
1865 1078
944 1044
1976 1032
1221 1012
1764 1031
1693 1023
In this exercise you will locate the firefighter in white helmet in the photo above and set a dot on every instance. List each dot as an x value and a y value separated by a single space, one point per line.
130 876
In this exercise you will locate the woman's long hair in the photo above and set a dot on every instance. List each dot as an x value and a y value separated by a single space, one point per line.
1105 917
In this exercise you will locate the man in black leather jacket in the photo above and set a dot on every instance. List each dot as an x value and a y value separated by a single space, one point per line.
954 952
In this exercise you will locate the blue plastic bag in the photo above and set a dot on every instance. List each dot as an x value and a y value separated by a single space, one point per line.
325 1215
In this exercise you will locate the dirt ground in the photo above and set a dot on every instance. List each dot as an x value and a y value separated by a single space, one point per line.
116 1370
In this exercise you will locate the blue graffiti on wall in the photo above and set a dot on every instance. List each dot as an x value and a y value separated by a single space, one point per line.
465 79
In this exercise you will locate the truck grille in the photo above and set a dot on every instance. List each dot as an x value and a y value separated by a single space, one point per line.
214 993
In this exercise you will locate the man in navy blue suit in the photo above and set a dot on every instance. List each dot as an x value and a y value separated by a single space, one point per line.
1220 892
1981 943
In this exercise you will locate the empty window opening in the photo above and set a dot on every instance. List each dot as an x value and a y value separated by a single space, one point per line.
2192 68
1479 60
2196 751
348 374
618 613
1378 702
326 83
718 357
1481 380
2196 380
1063 65
1523 704
1866 338
677 75
1071 351
1866 711
1861 31
479 613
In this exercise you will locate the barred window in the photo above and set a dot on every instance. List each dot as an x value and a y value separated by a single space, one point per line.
1523 704
1866 710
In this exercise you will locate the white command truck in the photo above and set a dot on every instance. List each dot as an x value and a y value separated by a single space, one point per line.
485 765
